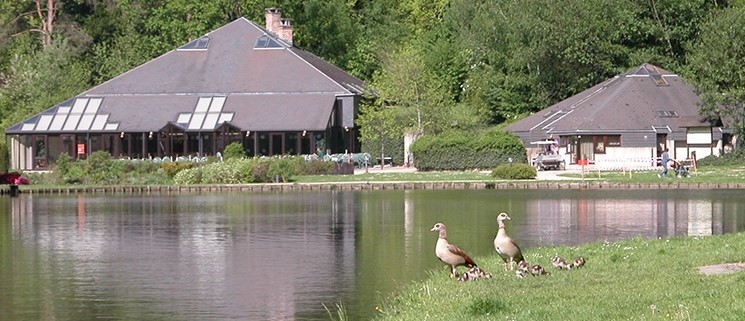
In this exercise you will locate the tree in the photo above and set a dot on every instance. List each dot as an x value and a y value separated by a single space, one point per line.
40 79
46 12
715 68
379 125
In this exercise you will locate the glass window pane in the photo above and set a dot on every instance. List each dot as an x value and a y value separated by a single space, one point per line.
111 126
202 105
28 126
225 117
79 106
85 122
93 105
210 121
44 122
183 118
63 110
72 122
99 122
217 104
196 121
58 121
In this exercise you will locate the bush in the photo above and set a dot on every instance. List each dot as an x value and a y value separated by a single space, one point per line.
189 176
736 157
173 168
260 171
282 168
234 150
101 169
63 164
315 167
464 150
4 158
514 171
75 175
393 148
227 172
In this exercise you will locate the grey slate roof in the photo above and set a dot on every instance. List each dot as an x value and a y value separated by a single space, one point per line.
639 100
282 88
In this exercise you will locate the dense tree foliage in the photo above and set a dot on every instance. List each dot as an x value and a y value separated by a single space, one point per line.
716 68
433 65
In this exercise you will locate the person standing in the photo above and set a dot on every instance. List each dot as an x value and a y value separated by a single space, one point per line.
665 160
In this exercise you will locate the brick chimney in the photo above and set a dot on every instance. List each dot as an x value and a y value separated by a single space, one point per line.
282 28
285 31
273 16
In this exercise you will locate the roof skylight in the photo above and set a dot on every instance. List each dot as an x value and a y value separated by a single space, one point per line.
667 113
197 44
266 42
207 114
80 115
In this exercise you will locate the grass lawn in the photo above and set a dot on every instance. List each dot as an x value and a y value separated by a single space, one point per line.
706 174
382 176
629 280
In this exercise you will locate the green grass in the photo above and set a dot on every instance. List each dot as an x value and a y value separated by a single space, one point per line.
705 174
629 280
394 176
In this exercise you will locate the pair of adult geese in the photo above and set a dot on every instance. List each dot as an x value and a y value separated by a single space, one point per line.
454 256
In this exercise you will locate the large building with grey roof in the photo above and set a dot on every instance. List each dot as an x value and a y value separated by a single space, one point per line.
627 120
239 83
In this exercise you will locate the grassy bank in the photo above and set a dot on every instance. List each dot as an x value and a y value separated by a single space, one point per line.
628 280
704 174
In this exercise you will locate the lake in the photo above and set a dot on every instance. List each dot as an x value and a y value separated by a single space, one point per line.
282 256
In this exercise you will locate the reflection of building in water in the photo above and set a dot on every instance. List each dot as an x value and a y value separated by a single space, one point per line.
584 219
21 214
267 257
700 217
408 223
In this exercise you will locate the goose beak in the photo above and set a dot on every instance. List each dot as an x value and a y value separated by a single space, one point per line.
434 229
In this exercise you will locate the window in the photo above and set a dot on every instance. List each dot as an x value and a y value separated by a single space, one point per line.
614 140
197 44
667 114
600 143
266 42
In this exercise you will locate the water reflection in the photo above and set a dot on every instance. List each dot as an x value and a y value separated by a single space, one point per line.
281 256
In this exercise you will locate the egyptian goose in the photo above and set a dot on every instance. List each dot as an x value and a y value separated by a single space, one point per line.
537 270
473 274
522 269
507 249
449 253
559 263
577 263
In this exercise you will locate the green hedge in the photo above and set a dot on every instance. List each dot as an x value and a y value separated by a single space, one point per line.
514 171
101 169
464 151
394 148
736 157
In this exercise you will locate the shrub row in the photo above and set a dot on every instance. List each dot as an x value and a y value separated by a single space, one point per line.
464 151
252 170
514 171
100 169
736 157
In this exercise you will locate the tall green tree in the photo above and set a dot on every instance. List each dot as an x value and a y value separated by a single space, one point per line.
39 79
716 68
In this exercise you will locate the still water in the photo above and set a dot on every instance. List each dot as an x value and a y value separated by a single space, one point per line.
282 256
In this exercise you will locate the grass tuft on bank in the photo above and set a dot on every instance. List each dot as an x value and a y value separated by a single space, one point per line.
628 280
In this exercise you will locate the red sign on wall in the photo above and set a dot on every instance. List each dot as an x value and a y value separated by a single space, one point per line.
81 149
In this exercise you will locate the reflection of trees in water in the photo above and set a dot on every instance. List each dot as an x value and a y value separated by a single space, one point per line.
280 255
